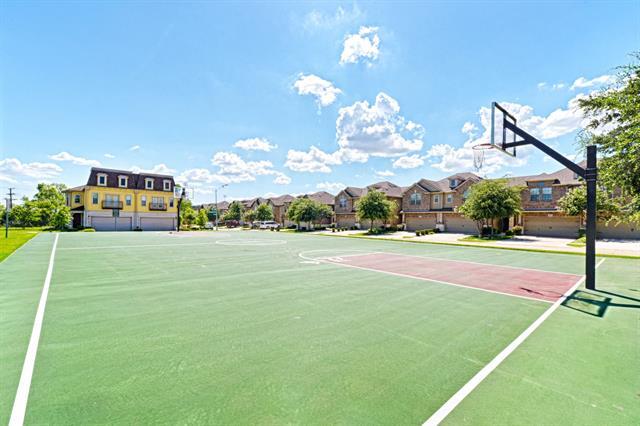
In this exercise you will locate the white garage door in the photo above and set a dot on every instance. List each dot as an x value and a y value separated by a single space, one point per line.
459 223
620 231
111 223
417 222
157 223
555 226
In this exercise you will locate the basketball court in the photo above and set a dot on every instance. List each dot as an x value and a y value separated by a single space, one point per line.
265 327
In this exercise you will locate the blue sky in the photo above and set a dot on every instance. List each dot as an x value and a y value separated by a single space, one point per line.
293 97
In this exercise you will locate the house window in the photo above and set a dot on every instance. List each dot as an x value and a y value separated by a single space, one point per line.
122 181
157 201
453 183
465 195
76 198
170 202
535 194
547 194
436 199
127 200
449 198
102 180
416 199
143 200
167 185
148 183
342 203
94 198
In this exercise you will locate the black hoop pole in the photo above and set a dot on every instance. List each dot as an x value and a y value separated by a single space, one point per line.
590 175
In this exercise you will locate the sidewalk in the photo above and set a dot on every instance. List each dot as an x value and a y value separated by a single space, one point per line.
610 247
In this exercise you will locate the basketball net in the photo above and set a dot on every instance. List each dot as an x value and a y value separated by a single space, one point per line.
478 154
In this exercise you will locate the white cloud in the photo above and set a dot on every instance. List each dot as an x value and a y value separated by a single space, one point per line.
316 19
555 86
255 144
581 82
282 179
469 128
160 169
332 187
364 45
408 162
385 173
377 129
12 167
80 161
314 160
199 175
134 148
107 155
324 91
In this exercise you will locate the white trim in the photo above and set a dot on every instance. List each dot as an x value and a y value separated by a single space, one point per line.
126 181
146 183
22 394
464 391
98 176
164 184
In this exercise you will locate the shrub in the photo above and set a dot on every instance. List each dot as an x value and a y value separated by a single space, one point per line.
509 232
488 230
517 230
582 232
392 228
88 230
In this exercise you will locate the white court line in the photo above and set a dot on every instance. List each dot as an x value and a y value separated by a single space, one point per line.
465 390
136 246
22 394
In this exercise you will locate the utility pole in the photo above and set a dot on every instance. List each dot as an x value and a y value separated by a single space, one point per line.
6 212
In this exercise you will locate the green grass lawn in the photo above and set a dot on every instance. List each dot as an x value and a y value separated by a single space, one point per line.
236 327
17 237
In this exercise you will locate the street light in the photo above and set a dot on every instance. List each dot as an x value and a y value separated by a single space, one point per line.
215 191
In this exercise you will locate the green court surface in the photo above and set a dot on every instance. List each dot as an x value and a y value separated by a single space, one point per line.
248 327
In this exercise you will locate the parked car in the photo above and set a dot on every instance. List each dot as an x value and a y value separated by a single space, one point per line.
209 225
231 223
268 224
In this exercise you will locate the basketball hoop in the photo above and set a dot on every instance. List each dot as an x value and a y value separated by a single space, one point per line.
478 154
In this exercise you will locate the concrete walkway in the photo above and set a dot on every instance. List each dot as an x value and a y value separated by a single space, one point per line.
609 246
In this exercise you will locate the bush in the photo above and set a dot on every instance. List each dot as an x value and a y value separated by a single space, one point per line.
88 230
392 228
488 230
517 230
582 232
509 232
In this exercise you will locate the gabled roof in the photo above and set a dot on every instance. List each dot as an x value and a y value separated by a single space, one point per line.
428 185
388 188
354 191
281 200
322 197
563 176
134 181
75 189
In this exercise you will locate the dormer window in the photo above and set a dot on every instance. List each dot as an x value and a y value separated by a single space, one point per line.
102 179
453 183
166 185
123 181
148 183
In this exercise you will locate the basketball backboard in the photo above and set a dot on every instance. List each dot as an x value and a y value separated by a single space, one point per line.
500 135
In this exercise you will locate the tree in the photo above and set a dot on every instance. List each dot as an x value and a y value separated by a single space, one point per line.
323 211
489 200
574 203
61 218
293 214
374 206
187 213
234 212
212 214
25 214
264 212
614 127
202 218
249 216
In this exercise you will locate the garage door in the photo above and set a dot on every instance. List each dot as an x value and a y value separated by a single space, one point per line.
111 223
417 222
157 223
621 231
345 220
554 226
459 223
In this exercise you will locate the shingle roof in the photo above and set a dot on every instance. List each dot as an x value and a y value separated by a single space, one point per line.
563 176
134 181
354 191
280 200
388 188
322 197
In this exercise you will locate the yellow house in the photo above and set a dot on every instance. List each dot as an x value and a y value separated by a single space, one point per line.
117 200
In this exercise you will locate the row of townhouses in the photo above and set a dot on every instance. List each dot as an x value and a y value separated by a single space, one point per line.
120 200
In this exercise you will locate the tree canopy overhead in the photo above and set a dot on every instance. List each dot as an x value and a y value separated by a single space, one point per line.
306 210
614 127
264 212
234 212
